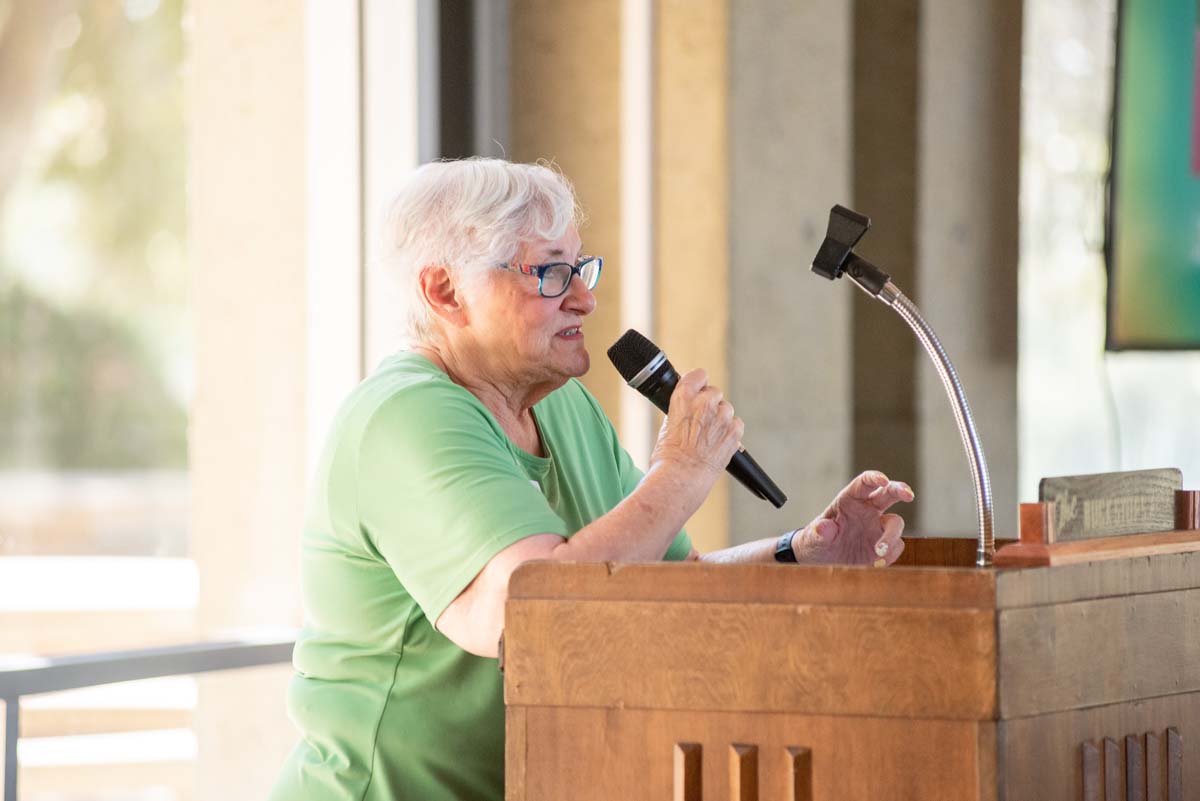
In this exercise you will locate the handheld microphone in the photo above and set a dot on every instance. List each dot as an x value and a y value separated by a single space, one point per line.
645 368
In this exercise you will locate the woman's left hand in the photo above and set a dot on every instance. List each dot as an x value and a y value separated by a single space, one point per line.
854 529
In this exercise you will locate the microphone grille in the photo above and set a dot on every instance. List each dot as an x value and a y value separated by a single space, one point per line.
631 353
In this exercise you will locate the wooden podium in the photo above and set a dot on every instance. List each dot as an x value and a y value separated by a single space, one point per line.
930 680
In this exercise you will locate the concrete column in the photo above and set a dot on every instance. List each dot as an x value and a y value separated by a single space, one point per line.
691 209
885 185
246 113
789 331
566 108
967 234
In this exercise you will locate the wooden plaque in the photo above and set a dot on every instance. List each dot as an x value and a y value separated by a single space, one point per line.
1111 504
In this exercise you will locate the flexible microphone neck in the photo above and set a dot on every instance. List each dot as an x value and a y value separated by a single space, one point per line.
836 258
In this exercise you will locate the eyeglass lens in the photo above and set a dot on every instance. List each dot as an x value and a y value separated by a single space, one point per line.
556 278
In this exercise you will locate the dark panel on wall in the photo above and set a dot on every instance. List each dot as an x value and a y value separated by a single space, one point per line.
456 70
885 186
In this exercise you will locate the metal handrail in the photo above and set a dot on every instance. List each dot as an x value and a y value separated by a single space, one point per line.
35 675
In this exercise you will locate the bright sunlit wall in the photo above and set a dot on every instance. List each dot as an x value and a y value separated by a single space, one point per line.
1083 410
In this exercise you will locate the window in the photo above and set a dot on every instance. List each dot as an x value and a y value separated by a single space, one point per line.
95 379
1081 410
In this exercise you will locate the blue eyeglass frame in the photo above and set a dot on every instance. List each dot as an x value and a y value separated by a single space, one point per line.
540 271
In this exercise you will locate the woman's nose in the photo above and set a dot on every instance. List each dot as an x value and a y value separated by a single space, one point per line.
578 297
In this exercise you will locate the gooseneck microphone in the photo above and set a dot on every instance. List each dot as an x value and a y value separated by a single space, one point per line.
646 368
837 258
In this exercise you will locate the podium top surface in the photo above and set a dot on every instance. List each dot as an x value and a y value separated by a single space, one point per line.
915 586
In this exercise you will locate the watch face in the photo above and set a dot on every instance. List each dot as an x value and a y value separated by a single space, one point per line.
783 549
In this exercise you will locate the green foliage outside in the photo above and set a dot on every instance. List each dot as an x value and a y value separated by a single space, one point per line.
81 392
83 374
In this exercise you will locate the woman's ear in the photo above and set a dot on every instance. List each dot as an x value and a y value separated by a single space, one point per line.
442 294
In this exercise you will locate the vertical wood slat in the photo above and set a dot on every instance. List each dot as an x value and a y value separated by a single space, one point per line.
1112 770
743 772
1037 523
516 758
1154 767
688 772
800 760
1187 509
1092 787
1135 768
1174 765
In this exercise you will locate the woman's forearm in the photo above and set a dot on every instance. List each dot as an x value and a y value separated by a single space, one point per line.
757 551
806 547
642 526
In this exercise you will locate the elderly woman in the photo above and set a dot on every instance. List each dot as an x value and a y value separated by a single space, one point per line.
476 450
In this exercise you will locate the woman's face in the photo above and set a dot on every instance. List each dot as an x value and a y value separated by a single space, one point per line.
528 338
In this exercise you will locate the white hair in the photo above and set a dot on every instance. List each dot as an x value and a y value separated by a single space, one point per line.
469 215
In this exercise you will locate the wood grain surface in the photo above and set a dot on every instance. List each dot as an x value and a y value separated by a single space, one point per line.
1187 509
1044 585
1175 761
1156 765
1110 504
801 774
752 657
1135 767
1093 773
605 755
1060 756
688 780
1037 523
1128 546
743 772
1114 779
1089 653
919 682
516 755
927 586
762 583
942 551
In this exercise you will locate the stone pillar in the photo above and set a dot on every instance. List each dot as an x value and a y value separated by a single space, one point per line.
789 331
691 210
967 234
885 184
246 113
566 108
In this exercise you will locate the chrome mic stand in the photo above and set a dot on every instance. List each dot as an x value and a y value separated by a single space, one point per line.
836 258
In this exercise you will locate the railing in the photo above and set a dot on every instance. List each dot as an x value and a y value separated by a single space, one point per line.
37 675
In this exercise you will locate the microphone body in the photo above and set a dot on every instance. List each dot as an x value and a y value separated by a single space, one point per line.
647 369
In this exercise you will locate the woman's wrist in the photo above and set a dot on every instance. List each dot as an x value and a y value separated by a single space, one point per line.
686 467
682 483
811 543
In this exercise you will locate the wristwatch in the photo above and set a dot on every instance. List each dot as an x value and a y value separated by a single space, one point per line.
783 548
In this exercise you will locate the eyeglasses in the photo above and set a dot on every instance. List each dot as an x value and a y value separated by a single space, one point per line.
553 279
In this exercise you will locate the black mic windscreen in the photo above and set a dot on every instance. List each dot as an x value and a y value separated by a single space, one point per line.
631 353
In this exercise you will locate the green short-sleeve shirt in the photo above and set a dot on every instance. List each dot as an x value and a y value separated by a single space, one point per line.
418 488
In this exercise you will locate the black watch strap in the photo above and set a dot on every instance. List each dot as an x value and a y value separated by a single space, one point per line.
783 548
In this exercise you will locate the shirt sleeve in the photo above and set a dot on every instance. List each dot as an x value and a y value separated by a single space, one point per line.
440 493
631 476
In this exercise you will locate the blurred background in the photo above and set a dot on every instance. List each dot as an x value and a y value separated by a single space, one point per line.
190 195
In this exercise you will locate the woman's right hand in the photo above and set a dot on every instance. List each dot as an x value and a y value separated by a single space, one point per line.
700 433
